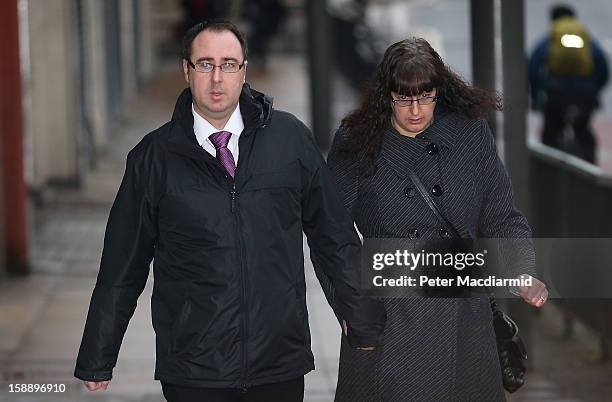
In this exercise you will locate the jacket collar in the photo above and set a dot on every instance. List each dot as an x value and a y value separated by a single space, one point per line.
401 153
442 131
255 107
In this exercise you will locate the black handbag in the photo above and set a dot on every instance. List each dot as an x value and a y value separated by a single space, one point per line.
510 347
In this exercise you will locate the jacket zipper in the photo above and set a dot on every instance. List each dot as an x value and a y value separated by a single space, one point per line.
243 274
243 279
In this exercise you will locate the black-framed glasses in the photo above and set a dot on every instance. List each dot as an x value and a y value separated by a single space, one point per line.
207 67
425 100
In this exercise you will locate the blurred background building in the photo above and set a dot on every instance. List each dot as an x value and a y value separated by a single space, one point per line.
82 81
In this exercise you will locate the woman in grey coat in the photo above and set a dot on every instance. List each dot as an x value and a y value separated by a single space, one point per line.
417 114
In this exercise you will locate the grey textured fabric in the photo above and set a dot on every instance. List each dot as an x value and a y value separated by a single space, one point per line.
434 349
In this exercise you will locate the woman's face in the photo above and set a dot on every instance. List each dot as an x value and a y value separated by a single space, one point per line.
413 114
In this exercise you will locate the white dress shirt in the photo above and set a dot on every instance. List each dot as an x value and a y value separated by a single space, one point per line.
202 129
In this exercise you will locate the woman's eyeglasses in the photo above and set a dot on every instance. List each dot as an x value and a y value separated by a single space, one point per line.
425 100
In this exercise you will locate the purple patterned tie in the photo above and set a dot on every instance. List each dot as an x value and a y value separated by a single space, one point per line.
225 157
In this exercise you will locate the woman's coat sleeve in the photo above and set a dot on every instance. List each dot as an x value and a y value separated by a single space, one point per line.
499 218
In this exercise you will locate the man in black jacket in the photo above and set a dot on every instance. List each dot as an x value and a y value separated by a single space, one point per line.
219 198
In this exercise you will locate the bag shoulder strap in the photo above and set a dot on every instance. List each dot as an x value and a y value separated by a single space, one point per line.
446 223
432 205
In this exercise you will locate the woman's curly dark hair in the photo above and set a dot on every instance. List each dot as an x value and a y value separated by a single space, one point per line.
409 67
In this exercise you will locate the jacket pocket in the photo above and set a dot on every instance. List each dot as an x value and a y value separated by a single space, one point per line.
301 312
177 326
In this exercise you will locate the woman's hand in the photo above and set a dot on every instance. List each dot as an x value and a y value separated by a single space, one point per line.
536 294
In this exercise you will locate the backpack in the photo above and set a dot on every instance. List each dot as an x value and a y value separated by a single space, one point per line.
570 48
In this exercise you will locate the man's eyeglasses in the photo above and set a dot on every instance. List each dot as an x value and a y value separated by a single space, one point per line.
425 100
206 67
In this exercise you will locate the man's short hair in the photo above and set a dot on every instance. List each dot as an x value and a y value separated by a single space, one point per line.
215 26
561 10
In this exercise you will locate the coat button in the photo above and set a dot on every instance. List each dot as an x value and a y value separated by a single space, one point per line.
409 192
436 190
432 148
444 233
414 233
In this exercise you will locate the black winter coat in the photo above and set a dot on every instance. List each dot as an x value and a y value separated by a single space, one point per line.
433 349
228 304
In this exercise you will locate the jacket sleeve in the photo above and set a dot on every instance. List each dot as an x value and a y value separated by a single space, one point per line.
128 250
336 250
499 218
601 66
345 175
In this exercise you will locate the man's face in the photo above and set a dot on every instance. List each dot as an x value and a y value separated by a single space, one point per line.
215 94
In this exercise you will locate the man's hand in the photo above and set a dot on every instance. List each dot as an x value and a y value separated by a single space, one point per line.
96 385
345 329
536 294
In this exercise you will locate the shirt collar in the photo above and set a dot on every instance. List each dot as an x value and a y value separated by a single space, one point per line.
202 128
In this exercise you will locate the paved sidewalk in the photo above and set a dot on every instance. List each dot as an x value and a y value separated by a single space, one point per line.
42 315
